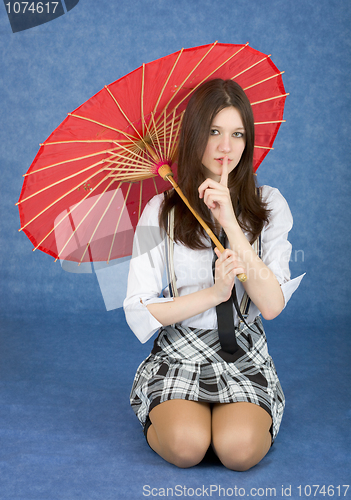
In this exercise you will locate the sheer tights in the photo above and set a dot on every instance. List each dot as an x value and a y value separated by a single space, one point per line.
181 432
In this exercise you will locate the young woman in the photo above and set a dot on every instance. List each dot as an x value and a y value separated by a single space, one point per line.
193 391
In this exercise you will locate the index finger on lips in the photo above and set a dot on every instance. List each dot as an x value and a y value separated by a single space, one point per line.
224 175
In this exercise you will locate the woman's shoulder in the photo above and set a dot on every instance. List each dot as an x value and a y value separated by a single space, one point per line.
151 210
272 197
277 206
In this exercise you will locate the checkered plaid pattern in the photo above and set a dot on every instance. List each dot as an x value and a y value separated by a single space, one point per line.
186 363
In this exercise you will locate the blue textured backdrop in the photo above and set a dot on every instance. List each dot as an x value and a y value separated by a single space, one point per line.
50 70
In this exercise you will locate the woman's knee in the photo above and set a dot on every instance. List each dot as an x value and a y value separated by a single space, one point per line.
240 451
181 431
186 447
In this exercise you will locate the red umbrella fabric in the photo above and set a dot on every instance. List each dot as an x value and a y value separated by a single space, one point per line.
87 186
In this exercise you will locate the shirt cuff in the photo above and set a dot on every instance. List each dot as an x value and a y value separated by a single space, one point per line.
289 287
147 325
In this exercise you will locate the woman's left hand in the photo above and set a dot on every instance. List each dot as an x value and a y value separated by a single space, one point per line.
216 196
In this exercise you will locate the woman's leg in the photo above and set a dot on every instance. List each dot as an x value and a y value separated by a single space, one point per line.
180 431
240 434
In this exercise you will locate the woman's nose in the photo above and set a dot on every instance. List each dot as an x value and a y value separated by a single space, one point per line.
224 145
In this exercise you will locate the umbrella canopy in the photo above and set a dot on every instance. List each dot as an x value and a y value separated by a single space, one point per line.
84 193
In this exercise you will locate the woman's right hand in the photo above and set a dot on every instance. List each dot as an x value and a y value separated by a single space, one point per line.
227 266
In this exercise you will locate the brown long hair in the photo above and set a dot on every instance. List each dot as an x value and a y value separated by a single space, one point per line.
205 103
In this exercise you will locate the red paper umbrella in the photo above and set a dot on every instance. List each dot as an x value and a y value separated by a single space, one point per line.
86 188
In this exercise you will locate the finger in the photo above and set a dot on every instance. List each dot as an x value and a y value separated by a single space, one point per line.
213 198
202 188
217 252
208 183
224 175
227 252
239 270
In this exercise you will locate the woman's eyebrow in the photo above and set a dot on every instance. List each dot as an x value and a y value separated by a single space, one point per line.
218 126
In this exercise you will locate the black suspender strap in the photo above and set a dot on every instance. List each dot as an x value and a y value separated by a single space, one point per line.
225 319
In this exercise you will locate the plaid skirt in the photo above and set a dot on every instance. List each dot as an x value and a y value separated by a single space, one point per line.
188 363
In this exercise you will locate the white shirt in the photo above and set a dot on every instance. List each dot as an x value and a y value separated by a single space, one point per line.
193 268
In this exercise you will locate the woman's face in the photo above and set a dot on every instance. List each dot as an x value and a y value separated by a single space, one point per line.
227 138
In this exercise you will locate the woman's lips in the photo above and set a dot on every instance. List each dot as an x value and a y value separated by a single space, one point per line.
220 160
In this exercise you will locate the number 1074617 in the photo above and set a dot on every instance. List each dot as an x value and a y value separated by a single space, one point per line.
31 7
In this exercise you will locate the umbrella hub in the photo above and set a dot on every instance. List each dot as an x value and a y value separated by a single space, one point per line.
163 169
144 142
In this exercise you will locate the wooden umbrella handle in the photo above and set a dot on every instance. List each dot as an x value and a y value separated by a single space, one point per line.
166 173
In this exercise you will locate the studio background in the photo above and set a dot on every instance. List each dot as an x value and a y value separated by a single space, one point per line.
66 365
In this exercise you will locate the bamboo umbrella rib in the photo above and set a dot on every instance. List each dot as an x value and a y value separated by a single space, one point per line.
120 164
266 123
167 134
131 174
129 159
167 80
133 154
63 180
164 132
161 117
262 147
265 80
208 76
269 99
150 135
78 141
129 136
101 218
140 198
142 99
83 219
155 185
132 177
140 155
66 161
156 134
123 113
137 146
151 130
153 143
128 150
70 212
119 219
175 143
188 76
171 135
250 67
59 199
131 169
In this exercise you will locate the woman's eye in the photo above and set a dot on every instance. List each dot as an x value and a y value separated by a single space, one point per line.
238 134
214 131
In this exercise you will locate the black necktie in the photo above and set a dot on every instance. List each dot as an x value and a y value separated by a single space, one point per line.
225 319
